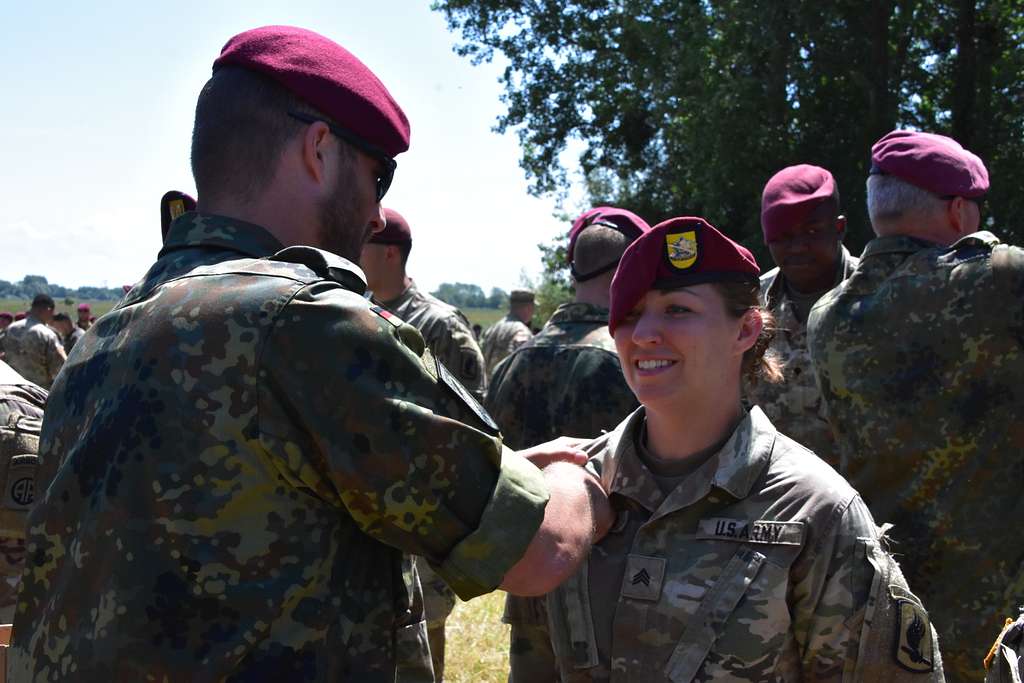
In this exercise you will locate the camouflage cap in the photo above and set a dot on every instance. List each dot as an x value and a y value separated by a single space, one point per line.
325 75
790 195
932 162
521 296
396 230
677 253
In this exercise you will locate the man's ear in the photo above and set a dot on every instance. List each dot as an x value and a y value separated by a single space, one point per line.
751 325
840 226
314 142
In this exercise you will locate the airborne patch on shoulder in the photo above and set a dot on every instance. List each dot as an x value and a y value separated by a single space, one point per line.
913 638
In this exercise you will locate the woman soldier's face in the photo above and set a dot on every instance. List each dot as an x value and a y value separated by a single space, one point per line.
682 345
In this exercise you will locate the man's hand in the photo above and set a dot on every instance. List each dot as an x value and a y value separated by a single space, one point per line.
563 449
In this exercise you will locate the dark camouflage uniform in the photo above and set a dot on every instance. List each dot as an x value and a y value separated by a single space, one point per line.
450 339
236 454
795 405
920 357
501 339
567 380
33 350
760 565
447 334
19 399
69 341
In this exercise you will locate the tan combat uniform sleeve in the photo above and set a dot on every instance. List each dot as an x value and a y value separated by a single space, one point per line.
54 356
457 349
357 418
855 618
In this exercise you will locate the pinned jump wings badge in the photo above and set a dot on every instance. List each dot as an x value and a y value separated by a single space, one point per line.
682 248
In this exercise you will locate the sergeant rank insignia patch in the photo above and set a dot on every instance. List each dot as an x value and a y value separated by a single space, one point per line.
682 249
913 638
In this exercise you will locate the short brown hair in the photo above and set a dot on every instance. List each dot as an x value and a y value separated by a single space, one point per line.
241 129
758 364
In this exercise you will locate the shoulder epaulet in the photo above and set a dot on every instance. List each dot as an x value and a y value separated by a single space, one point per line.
325 264
982 238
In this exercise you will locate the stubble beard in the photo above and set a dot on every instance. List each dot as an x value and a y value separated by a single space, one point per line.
342 230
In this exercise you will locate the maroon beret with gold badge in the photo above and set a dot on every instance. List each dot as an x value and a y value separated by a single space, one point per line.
932 162
325 75
790 195
677 253
396 230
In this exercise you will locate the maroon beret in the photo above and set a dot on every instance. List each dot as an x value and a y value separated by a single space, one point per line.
626 222
791 195
396 230
325 75
20 315
677 253
84 307
932 162
7 315
172 205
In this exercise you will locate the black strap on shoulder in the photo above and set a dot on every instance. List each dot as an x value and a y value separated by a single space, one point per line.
325 264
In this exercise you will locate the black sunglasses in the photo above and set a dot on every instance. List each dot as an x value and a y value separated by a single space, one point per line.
385 178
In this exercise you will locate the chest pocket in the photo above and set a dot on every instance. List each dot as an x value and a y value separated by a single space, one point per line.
705 625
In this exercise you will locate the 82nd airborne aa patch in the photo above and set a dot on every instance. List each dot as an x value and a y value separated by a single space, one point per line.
913 638
682 249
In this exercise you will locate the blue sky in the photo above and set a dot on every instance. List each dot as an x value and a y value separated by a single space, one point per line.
97 113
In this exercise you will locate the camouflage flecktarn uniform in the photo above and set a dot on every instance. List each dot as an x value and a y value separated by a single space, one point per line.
795 405
33 350
447 334
237 457
449 337
501 339
919 356
761 564
21 407
567 380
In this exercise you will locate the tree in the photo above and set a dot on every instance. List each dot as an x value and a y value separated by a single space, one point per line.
686 107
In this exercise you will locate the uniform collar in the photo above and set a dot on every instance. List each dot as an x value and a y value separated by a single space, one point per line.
896 244
734 468
207 230
579 312
410 292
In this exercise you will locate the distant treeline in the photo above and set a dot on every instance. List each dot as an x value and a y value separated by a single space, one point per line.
462 295
31 285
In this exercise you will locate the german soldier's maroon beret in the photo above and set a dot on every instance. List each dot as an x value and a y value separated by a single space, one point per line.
791 195
325 75
396 230
172 205
677 253
932 162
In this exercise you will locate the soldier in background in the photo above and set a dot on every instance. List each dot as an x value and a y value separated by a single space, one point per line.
445 329
566 380
31 347
69 332
447 334
509 333
85 319
920 361
21 413
803 228
6 318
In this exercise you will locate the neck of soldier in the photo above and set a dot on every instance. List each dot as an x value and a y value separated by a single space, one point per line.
595 291
679 432
391 286
276 210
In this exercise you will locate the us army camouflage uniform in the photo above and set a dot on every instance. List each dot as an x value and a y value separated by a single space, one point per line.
760 565
795 405
237 458
1005 661
447 334
567 380
921 361
449 337
33 350
501 339
72 339
21 409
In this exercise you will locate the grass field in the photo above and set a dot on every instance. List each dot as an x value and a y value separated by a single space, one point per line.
98 307
476 648
484 317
